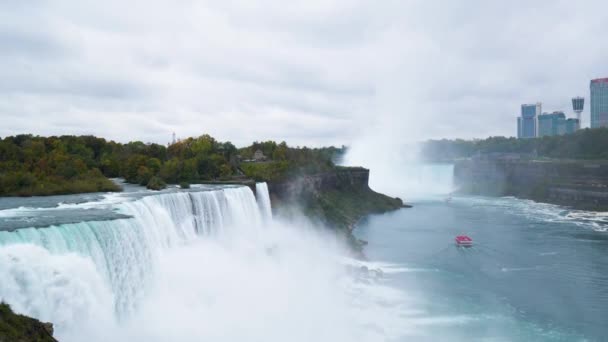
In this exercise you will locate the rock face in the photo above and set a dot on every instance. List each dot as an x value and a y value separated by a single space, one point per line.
343 178
338 199
579 184
19 328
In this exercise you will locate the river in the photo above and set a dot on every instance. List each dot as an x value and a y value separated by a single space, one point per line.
536 272
211 263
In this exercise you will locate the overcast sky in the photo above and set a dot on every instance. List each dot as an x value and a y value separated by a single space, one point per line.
308 72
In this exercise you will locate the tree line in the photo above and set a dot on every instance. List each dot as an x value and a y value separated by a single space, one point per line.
587 144
35 165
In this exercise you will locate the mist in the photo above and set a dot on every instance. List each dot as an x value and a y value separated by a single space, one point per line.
249 277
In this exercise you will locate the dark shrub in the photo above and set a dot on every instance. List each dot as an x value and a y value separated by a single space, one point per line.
156 183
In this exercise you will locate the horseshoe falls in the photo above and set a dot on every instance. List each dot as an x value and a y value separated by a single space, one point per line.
208 263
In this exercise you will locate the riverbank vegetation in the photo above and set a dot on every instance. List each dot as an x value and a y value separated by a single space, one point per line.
587 144
34 165
283 162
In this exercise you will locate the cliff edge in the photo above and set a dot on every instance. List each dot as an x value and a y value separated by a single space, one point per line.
20 328
338 198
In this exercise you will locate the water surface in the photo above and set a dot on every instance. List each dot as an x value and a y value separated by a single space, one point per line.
537 272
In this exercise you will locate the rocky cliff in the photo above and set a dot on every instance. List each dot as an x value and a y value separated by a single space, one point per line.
338 198
578 184
19 328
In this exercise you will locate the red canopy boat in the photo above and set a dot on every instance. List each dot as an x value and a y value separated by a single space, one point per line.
463 240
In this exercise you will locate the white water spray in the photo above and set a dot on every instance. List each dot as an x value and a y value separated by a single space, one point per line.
399 171
191 266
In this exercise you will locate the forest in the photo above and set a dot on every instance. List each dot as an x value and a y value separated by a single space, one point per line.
586 144
34 165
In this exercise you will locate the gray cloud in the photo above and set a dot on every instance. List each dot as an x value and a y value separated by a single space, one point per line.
315 72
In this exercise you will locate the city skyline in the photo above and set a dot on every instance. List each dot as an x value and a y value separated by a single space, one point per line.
558 122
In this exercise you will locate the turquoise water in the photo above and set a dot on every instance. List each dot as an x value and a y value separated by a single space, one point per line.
538 272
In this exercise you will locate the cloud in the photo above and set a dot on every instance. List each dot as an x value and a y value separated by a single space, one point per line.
314 72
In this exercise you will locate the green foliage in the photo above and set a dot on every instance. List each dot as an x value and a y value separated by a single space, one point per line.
342 208
584 144
156 183
184 185
287 161
170 170
143 175
19 328
266 171
33 165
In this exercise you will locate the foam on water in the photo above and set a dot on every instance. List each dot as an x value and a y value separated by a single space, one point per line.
543 212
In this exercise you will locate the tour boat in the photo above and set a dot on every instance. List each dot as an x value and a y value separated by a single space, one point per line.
464 241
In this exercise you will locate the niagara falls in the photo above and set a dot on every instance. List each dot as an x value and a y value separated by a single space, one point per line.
322 170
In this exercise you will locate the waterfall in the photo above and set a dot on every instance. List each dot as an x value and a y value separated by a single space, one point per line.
125 251
412 180
263 198
191 265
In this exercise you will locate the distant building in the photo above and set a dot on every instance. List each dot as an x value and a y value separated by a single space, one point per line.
578 104
551 124
572 125
599 102
527 123
259 156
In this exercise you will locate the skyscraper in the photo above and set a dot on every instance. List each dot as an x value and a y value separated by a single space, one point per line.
572 125
599 102
527 125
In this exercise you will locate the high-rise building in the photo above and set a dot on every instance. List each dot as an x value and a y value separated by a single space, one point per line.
552 124
527 123
572 125
599 102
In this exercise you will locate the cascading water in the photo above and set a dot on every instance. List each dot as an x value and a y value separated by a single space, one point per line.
261 192
400 170
421 180
125 251
414 180
190 265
